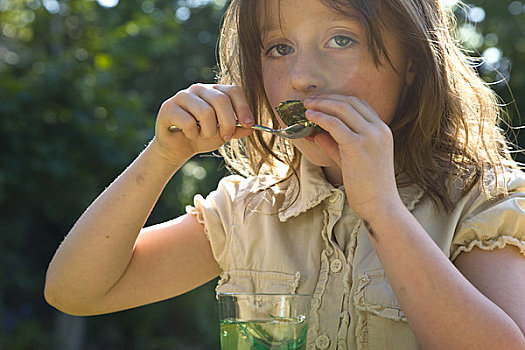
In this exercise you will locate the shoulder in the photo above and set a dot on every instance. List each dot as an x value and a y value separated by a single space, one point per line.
490 214
496 187
506 178
493 216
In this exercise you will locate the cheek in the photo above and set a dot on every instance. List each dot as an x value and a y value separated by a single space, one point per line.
382 90
272 85
359 85
355 75
386 104
271 93
275 92
274 96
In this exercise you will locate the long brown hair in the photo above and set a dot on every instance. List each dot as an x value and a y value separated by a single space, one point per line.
445 128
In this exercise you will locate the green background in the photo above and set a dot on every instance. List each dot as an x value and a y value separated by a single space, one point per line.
80 86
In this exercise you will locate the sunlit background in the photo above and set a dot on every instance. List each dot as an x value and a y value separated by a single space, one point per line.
80 84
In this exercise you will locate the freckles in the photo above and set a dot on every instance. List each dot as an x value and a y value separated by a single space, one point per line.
357 84
273 86
272 91
352 75
377 89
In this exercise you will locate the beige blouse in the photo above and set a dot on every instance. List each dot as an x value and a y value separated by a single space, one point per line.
302 237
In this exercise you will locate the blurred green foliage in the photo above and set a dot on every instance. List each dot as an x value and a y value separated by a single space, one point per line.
80 84
495 31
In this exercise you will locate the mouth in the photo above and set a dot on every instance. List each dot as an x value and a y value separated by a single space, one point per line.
293 112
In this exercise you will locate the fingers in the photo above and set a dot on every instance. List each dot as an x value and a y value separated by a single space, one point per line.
238 100
343 116
330 146
216 109
230 106
199 109
172 114
197 117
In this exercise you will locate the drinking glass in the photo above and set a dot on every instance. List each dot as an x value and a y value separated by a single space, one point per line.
263 321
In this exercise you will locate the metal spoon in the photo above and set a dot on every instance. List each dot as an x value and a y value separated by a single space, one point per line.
294 131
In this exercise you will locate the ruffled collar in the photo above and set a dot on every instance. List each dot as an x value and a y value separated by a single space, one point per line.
310 188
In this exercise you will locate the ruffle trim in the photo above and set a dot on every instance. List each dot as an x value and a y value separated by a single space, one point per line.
251 281
313 327
191 210
364 308
389 311
345 314
303 201
197 214
490 244
411 196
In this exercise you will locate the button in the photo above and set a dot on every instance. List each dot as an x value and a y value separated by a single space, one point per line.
336 265
322 342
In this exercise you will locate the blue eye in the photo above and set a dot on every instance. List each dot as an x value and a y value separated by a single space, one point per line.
280 50
340 41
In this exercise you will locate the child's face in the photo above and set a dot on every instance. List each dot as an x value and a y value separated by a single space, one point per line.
310 49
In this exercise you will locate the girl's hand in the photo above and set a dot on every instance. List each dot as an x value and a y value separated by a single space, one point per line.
361 144
197 111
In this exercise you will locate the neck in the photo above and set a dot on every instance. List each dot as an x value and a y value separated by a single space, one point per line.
333 175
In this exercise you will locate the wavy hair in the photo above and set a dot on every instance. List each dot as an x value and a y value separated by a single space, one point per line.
445 128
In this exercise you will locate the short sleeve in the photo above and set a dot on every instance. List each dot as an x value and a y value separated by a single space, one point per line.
216 213
494 223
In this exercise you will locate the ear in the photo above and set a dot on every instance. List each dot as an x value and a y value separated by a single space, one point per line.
410 72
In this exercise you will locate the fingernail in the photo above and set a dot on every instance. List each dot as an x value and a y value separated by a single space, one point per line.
248 120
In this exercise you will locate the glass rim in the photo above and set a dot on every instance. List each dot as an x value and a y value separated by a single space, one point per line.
262 294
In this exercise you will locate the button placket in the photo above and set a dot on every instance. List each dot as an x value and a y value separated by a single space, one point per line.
336 201
332 214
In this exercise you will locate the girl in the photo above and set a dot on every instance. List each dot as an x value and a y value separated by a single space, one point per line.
420 245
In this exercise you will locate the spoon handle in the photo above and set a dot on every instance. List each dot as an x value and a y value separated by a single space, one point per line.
295 131
173 128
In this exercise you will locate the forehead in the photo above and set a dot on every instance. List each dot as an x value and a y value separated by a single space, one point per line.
273 13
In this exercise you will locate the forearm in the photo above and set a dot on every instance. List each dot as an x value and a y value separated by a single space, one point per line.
442 307
99 247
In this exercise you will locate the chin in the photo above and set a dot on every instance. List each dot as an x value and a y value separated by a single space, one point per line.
313 153
322 161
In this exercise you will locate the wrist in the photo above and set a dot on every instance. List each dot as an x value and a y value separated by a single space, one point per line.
158 152
388 222
383 211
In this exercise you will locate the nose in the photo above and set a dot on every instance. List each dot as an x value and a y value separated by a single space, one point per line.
306 72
